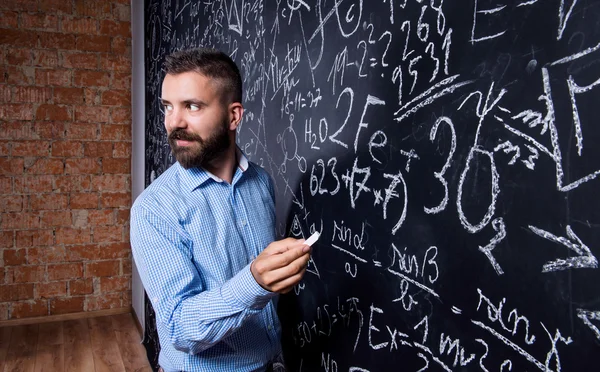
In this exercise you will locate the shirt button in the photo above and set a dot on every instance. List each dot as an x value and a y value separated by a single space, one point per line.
244 222
269 328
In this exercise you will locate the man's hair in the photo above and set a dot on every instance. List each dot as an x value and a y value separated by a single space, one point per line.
211 63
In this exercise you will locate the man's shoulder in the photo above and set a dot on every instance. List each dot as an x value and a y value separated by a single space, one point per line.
161 191
260 173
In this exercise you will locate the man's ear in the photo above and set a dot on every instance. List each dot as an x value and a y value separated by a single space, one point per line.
236 111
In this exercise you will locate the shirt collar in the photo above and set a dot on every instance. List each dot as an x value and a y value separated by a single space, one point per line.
197 176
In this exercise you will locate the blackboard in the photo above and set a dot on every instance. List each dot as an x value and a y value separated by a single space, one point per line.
447 151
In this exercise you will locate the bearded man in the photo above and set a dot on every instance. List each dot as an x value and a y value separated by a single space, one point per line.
203 233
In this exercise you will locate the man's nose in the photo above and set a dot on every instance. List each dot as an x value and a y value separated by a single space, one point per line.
177 120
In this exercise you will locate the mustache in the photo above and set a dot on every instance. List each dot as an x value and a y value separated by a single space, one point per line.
181 134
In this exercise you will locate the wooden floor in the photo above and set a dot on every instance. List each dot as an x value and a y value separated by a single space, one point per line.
108 343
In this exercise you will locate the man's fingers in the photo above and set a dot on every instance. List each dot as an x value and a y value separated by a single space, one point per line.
288 284
268 263
284 245
296 266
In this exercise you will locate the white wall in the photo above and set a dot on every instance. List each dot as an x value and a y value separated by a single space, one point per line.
137 132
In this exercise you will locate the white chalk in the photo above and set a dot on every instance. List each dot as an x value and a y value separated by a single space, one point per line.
313 238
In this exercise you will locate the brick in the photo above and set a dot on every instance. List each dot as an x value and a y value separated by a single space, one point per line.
45 255
26 5
50 130
98 149
10 166
55 40
6 185
93 43
126 266
106 234
65 271
15 130
101 268
46 202
32 94
116 200
81 287
31 148
14 257
6 239
121 45
66 235
45 58
33 184
115 284
121 80
72 183
84 201
28 274
79 60
103 302
56 6
115 28
91 96
94 252
56 77
19 56
19 75
11 203
16 292
68 95
29 238
46 166
101 217
15 111
9 19
53 112
28 309
79 25
82 131
51 289
92 78
112 62
114 132
123 216
122 150
97 9
82 166
110 182
4 148
116 98
19 38
4 310
67 149
79 218
94 114
66 305
56 218
122 12
115 166
5 93
22 220
42 21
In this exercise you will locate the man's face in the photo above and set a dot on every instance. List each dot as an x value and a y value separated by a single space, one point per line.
196 120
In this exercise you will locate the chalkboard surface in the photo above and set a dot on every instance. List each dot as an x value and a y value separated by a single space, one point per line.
449 154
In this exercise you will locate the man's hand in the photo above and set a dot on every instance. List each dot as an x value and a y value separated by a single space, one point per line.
281 265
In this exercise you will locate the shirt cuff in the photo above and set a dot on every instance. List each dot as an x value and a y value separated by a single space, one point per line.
243 290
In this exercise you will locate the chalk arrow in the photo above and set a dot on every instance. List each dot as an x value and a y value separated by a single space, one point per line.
587 316
584 258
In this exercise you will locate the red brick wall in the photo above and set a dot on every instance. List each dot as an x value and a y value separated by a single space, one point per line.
65 154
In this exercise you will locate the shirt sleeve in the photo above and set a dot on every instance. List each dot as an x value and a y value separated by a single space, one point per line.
195 318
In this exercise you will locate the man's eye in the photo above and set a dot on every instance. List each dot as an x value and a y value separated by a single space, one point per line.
194 107
167 108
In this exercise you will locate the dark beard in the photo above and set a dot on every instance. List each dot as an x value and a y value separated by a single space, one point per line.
203 151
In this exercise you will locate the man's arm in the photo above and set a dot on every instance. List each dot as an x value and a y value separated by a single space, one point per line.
196 318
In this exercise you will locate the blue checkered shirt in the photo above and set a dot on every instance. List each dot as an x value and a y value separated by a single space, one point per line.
193 237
